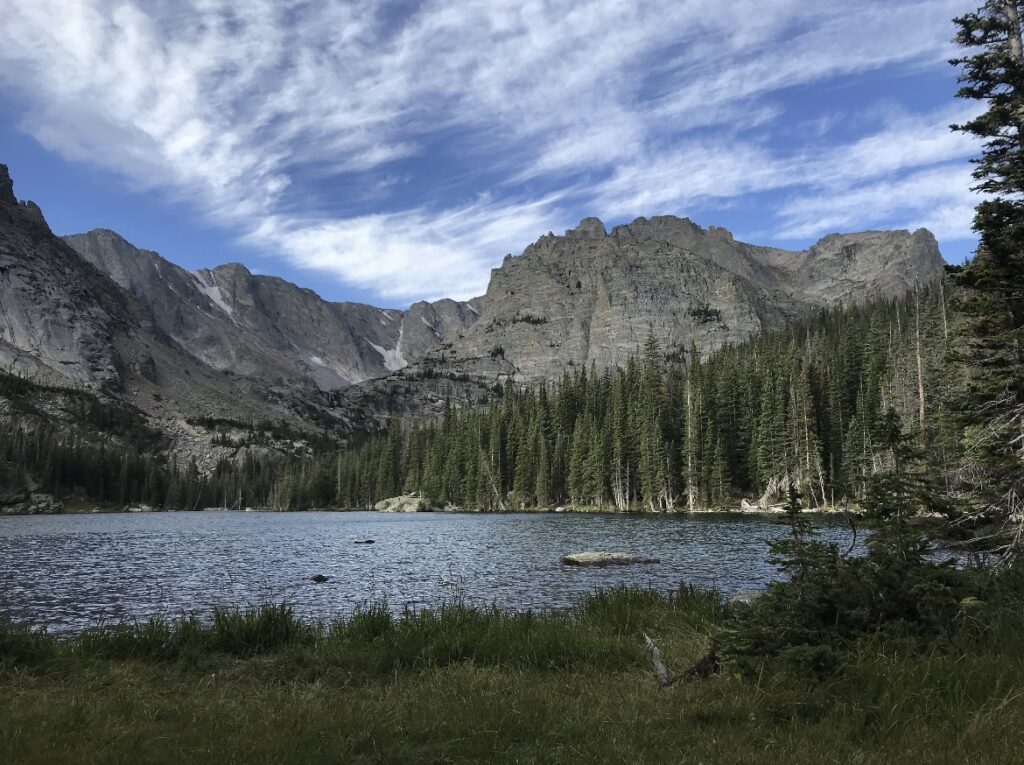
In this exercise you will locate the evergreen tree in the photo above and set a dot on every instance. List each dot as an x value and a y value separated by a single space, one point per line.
992 302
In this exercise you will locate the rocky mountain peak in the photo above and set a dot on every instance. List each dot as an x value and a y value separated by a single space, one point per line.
589 228
24 212
682 232
6 187
233 270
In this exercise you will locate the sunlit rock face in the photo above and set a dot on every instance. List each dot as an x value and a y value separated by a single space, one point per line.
93 311
592 298
266 328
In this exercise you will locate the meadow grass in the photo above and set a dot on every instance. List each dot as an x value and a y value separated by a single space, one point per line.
463 684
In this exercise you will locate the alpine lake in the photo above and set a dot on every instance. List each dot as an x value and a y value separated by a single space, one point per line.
69 572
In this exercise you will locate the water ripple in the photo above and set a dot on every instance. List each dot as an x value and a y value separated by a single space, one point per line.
69 572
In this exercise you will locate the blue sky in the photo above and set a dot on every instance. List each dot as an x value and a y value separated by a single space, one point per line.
395 151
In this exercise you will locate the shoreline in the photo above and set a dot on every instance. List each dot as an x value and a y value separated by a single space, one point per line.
562 510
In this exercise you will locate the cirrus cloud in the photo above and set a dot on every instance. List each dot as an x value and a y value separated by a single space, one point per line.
404 148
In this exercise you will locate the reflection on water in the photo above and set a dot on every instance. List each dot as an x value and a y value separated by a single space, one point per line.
68 572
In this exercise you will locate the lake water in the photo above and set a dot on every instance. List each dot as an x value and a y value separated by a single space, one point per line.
72 571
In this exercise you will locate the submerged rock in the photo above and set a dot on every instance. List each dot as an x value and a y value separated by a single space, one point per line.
319 578
605 559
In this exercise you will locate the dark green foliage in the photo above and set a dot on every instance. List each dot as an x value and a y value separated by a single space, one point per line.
899 587
990 334
809 401
705 314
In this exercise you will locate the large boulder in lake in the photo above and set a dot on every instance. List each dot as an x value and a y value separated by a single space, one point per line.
407 503
605 559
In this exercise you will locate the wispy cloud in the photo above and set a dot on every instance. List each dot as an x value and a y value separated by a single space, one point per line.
547 109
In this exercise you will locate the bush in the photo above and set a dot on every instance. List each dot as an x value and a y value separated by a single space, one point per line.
897 588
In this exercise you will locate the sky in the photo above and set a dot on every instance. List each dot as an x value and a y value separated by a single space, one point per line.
389 152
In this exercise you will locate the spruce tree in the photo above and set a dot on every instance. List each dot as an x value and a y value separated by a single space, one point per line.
992 334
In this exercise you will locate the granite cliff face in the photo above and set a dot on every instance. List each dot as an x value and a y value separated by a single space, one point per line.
65 324
60 318
592 298
265 328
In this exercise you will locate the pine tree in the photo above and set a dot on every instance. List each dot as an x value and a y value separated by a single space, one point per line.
992 333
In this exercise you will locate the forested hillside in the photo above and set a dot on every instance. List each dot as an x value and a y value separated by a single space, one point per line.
689 433
660 434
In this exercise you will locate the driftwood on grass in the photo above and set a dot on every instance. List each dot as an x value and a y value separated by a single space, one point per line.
705 667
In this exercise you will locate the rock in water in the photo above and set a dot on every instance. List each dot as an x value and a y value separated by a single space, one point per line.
605 559
319 578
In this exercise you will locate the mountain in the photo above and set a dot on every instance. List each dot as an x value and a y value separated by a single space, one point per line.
265 328
592 298
66 325
93 312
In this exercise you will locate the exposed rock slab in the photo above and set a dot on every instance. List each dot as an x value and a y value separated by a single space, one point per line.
601 559
32 503
405 504
591 298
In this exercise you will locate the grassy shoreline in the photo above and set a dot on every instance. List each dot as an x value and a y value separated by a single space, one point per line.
461 684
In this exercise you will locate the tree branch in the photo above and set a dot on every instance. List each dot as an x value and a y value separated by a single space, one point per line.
705 667
661 672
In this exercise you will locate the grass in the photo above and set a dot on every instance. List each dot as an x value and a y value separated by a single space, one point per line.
461 684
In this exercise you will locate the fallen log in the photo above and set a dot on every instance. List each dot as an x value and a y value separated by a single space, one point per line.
705 667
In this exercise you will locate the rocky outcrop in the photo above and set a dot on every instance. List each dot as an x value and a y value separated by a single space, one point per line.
268 329
64 322
409 503
27 500
94 312
592 298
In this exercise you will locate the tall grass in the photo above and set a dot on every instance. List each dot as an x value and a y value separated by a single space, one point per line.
599 631
463 684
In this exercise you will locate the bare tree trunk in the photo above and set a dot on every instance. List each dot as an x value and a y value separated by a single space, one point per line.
690 490
1013 24
920 367
661 672
490 475
705 667
942 305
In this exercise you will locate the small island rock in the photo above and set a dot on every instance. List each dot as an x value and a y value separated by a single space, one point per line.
605 559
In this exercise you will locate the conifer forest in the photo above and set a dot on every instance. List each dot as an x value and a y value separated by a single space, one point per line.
667 432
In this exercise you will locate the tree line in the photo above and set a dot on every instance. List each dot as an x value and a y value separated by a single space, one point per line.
804 404
668 431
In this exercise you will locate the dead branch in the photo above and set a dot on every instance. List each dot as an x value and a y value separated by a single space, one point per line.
853 526
705 667
661 672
